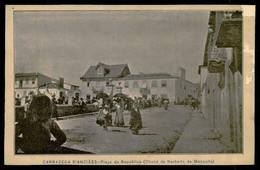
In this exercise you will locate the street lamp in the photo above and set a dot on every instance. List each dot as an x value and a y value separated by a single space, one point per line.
119 87
111 85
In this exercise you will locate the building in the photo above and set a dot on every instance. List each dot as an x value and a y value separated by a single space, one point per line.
32 82
105 78
221 78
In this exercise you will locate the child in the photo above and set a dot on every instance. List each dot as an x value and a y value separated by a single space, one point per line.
37 127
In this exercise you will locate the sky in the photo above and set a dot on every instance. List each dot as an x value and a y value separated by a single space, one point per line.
66 43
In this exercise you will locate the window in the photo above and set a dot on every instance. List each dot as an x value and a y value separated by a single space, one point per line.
154 83
164 83
99 70
88 97
27 81
107 83
87 84
144 84
126 84
135 84
33 81
21 83
163 95
184 87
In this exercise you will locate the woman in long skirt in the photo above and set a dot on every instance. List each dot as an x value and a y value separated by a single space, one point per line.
119 119
135 120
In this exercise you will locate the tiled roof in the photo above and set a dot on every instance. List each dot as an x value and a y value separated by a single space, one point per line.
26 74
114 71
148 76
43 79
51 86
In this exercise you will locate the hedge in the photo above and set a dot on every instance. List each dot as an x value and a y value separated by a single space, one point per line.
63 110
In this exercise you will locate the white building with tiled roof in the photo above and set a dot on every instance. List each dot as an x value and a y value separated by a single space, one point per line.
153 85
31 82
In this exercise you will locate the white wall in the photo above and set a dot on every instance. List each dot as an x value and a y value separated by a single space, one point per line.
184 88
25 83
169 90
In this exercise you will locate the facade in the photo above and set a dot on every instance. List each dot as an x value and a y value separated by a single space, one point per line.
117 78
221 78
32 82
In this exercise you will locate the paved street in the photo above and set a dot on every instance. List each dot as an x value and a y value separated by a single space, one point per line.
162 129
203 140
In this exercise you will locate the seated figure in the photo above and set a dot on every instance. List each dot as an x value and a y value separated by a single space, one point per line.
37 127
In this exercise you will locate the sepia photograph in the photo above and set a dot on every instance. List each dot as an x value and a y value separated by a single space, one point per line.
127 82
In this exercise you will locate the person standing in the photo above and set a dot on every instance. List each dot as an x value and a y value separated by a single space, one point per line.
18 100
81 105
106 116
26 107
159 102
100 117
135 119
119 118
165 102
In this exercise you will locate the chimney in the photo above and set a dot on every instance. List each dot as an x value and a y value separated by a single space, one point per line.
61 82
181 73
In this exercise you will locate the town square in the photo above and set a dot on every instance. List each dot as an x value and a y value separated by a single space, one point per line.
128 82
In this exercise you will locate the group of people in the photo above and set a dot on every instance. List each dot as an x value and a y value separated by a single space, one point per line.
60 100
163 102
33 132
146 103
25 99
192 102
118 105
106 107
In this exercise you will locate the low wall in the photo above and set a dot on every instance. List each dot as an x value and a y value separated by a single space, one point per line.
63 110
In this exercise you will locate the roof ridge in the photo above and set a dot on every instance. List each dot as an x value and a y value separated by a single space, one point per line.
115 64
150 74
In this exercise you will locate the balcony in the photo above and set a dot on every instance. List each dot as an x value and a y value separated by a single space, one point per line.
230 32
216 65
97 89
145 91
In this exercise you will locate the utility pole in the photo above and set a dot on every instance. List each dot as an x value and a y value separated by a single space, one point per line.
111 85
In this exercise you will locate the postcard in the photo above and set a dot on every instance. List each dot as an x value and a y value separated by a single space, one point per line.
129 85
